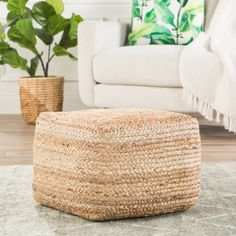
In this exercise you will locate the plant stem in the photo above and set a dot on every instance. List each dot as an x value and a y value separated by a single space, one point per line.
52 57
142 10
49 51
47 65
42 64
49 60
177 28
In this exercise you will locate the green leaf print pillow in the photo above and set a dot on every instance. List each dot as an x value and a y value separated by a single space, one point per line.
166 21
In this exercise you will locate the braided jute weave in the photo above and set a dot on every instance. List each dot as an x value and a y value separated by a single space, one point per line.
40 94
116 163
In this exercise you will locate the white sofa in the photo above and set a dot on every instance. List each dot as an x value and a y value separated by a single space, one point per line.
114 75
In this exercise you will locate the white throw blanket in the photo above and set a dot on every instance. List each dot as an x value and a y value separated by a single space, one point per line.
208 68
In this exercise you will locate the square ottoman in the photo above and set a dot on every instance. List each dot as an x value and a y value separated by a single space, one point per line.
116 163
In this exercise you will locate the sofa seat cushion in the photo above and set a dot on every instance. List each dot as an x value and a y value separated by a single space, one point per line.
150 65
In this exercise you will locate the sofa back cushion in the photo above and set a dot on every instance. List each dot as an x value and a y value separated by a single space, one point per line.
210 9
168 21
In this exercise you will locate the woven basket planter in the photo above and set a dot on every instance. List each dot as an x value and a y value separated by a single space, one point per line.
39 95
116 163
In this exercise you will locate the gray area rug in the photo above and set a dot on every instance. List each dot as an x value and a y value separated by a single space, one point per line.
214 215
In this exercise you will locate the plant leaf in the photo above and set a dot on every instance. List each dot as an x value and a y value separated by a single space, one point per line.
65 41
69 37
185 24
12 58
136 9
194 8
17 6
162 10
2 32
3 46
150 17
60 51
56 24
161 39
74 21
189 41
132 42
33 66
44 36
183 3
41 12
23 33
12 17
57 5
160 29
190 12
17 10
141 31
162 35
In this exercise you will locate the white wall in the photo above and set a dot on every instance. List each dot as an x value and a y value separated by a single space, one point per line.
90 9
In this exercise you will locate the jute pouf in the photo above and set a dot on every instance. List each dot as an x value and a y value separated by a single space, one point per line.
116 163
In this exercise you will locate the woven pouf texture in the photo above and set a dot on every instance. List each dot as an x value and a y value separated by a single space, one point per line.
116 163
40 94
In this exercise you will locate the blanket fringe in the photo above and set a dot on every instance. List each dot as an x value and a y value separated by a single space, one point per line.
209 112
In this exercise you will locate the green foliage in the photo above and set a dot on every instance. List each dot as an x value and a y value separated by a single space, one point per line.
17 6
17 10
162 9
41 12
23 33
60 51
56 24
162 35
10 56
57 5
2 32
150 17
141 31
166 21
33 65
183 3
44 36
69 36
28 25
136 9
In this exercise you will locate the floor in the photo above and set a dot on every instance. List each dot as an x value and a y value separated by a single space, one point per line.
16 140
214 214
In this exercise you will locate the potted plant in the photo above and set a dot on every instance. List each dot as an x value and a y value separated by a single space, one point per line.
25 26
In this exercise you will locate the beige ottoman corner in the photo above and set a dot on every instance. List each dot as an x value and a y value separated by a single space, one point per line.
116 163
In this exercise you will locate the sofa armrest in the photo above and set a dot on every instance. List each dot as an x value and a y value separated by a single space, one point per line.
94 37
